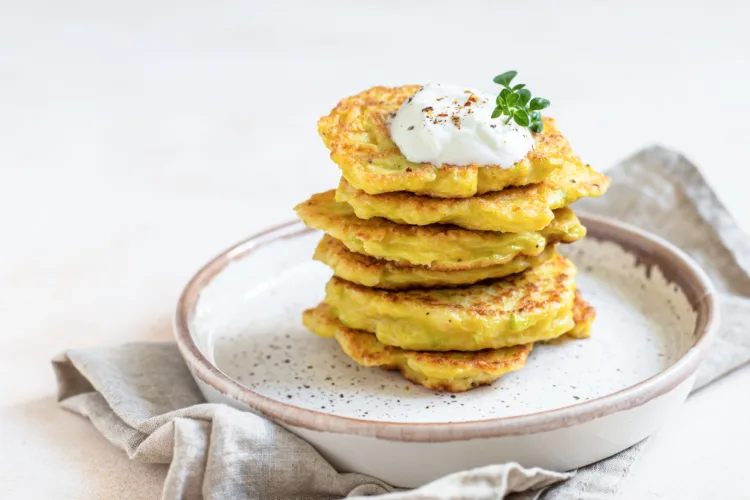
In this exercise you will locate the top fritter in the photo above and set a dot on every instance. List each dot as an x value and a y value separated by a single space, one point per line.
362 133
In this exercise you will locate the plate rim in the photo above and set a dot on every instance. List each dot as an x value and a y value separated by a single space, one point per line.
648 248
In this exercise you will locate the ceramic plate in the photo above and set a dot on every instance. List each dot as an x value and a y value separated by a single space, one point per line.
238 326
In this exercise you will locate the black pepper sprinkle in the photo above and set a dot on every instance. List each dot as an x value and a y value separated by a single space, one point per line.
410 128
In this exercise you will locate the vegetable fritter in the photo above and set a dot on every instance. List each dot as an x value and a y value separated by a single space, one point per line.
380 273
356 133
453 371
527 307
518 209
442 247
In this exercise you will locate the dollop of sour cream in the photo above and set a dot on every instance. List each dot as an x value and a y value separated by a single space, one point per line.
445 124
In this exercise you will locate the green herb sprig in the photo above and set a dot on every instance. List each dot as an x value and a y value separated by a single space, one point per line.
515 103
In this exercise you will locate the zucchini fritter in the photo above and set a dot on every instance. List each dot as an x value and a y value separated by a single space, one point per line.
453 371
518 209
442 247
379 273
356 133
527 307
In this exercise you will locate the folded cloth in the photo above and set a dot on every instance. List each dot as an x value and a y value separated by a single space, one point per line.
142 398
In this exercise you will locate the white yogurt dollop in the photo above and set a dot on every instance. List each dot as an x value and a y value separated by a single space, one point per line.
444 124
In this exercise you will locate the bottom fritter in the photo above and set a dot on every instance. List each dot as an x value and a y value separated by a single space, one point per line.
453 371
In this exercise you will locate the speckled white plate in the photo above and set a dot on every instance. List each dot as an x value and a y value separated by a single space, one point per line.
238 326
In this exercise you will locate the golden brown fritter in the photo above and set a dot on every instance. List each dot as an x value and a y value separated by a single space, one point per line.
356 133
527 307
518 209
380 273
453 371
442 247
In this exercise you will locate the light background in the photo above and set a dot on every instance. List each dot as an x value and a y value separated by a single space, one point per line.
139 138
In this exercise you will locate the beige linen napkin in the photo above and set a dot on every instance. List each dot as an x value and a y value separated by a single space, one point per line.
142 398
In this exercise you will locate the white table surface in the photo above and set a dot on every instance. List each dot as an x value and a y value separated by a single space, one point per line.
138 139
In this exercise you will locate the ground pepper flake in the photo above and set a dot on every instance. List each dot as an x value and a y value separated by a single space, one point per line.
471 100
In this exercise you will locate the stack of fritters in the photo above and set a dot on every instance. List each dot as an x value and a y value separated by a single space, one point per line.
446 273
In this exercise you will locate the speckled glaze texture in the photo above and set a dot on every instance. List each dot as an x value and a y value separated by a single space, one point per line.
247 322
